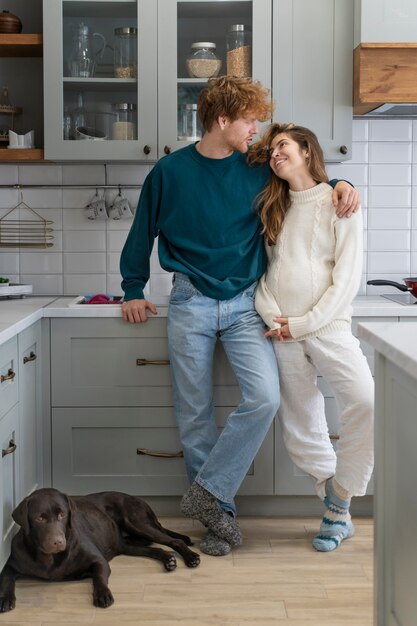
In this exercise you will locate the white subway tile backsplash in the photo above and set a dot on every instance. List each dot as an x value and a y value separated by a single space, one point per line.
9 198
84 263
393 262
40 174
75 219
389 197
113 284
414 240
84 241
359 152
127 174
116 240
41 262
113 263
357 174
42 198
389 152
44 284
389 219
79 284
84 174
390 174
9 174
413 268
390 240
390 130
9 263
360 130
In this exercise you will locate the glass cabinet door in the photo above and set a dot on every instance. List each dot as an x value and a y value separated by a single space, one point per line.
199 39
100 79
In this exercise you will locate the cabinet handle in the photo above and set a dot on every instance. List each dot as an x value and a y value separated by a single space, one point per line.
146 149
32 357
167 149
12 448
163 455
335 437
9 376
343 149
152 362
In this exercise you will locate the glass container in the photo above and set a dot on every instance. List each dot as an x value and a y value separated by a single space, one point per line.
202 61
125 125
125 52
83 56
189 125
239 51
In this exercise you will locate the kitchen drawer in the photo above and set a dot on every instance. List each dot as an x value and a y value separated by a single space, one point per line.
95 449
9 479
94 363
9 374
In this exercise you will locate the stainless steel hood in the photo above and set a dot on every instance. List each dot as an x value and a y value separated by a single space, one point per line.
394 110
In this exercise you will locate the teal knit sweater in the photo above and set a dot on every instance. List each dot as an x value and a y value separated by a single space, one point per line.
203 212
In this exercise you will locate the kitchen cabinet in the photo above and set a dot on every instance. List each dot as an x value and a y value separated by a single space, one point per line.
289 480
113 424
160 89
312 70
30 408
393 22
9 441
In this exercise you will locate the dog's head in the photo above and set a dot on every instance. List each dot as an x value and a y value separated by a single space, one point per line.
45 518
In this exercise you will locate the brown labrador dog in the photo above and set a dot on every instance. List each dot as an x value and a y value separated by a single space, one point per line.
71 537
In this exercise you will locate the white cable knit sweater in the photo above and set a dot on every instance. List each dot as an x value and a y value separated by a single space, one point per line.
314 269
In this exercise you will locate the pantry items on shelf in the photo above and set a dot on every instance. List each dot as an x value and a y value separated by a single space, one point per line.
125 52
124 126
25 141
202 62
83 57
239 51
189 126
7 115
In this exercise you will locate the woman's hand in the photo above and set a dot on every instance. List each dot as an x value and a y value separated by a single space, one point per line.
283 332
346 199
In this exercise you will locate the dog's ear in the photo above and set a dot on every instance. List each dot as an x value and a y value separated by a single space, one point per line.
20 516
71 510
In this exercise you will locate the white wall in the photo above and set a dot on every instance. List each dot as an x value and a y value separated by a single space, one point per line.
85 255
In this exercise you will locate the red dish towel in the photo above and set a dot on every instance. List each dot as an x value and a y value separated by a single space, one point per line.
100 298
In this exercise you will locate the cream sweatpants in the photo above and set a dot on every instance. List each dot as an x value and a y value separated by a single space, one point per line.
339 359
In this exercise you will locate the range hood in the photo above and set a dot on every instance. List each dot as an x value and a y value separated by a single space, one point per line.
385 79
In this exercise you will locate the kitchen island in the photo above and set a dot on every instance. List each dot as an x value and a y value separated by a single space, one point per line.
395 507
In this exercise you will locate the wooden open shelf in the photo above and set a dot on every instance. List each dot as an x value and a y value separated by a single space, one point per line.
21 45
29 154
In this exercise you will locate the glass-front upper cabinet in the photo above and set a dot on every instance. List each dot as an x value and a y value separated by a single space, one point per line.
198 40
100 79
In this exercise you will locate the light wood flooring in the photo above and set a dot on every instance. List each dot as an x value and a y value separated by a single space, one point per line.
275 579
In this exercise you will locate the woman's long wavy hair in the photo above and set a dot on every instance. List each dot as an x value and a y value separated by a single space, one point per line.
274 200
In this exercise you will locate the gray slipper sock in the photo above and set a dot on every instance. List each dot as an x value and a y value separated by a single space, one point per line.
214 545
200 504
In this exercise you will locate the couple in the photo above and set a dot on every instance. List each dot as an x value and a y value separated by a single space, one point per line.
221 212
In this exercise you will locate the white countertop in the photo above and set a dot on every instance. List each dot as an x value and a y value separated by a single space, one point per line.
18 314
397 342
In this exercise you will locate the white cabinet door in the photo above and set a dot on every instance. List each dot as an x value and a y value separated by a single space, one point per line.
182 22
97 92
312 69
30 409
9 479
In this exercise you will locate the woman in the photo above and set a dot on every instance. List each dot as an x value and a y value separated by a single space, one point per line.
314 271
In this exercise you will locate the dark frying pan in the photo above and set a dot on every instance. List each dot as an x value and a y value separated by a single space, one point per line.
410 284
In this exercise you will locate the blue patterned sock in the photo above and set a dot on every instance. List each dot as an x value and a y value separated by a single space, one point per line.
336 524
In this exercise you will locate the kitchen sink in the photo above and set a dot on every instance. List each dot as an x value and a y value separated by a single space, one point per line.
81 301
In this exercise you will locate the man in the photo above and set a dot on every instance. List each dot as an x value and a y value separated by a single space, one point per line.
199 201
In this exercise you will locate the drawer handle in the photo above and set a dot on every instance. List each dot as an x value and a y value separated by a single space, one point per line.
164 455
141 362
32 357
335 437
12 448
9 376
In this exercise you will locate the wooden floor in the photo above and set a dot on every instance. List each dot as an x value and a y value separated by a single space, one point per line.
275 579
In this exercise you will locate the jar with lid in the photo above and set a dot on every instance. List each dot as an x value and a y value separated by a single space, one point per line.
125 125
202 61
125 52
189 126
239 51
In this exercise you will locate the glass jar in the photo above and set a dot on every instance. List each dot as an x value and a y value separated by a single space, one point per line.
202 61
125 52
125 125
239 51
189 128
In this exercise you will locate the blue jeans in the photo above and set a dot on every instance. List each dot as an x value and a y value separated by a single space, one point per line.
219 461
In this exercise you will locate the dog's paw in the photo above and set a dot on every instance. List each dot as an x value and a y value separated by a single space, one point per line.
103 598
192 559
170 562
7 604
